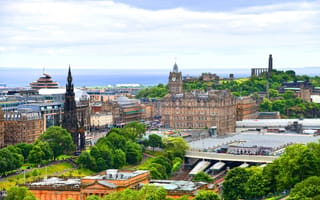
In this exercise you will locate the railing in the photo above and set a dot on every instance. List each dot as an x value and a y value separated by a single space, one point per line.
230 157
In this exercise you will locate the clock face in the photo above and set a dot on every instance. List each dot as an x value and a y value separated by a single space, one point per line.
173 78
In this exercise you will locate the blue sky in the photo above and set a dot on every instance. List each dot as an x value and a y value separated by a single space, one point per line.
135 34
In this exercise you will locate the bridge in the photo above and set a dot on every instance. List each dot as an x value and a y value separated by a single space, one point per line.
230 157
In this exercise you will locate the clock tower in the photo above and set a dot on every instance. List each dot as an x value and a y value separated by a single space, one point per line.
175 81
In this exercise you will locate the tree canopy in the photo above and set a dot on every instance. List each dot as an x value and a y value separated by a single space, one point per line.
292 169
307 189
202 176
116 149
19 193
59 139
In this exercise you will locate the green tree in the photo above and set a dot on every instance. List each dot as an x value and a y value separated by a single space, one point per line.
87 161
148 192
307 189
40 152
59 140
134 130
270 173
273 93
114 141
25 149
235 183
126 194
93 197
9 160
202 176
257 185
165 162
266 105
158 91
288 94
176 164
119 158
19 193
295 164
151 192
206 195
158 171
155 141
177 145
133 152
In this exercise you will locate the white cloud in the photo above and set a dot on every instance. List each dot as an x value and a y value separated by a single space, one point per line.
106 31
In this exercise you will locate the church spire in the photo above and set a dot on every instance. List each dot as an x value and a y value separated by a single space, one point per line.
175 68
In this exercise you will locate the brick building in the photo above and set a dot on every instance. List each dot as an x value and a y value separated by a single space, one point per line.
197 109
247 108
22 126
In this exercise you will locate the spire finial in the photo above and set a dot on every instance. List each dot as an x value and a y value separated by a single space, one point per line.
69 75
175 68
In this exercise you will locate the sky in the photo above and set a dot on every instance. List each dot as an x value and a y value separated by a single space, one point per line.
150 34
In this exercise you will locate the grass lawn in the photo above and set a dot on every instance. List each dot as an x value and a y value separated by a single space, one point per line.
78 173
34 174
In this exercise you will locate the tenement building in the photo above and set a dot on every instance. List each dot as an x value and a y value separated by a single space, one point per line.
197 110
23 126
247 108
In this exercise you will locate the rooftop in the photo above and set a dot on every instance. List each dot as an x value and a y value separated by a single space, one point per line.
173 185
55 183
114 174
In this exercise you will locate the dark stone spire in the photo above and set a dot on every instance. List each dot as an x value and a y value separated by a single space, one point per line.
70 121
175 68
270 66
69 76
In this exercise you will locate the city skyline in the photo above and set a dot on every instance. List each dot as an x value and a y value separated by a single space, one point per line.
147 34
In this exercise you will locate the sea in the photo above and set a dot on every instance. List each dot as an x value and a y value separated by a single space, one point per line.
21 77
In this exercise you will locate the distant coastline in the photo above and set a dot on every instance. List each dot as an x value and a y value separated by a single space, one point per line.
21 77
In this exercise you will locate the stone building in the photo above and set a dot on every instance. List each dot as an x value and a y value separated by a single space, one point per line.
259 71
209 77
76 117
112 181
125 110
175 81
79 189
197 109
247 108
100 121
1 129
301 89
22 126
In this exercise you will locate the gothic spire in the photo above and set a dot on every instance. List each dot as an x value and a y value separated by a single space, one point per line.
175 68
69 76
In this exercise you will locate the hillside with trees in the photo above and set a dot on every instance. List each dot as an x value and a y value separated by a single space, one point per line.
286 103
296 171
51 144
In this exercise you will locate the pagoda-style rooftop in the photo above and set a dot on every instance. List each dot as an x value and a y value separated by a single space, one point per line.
44 81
